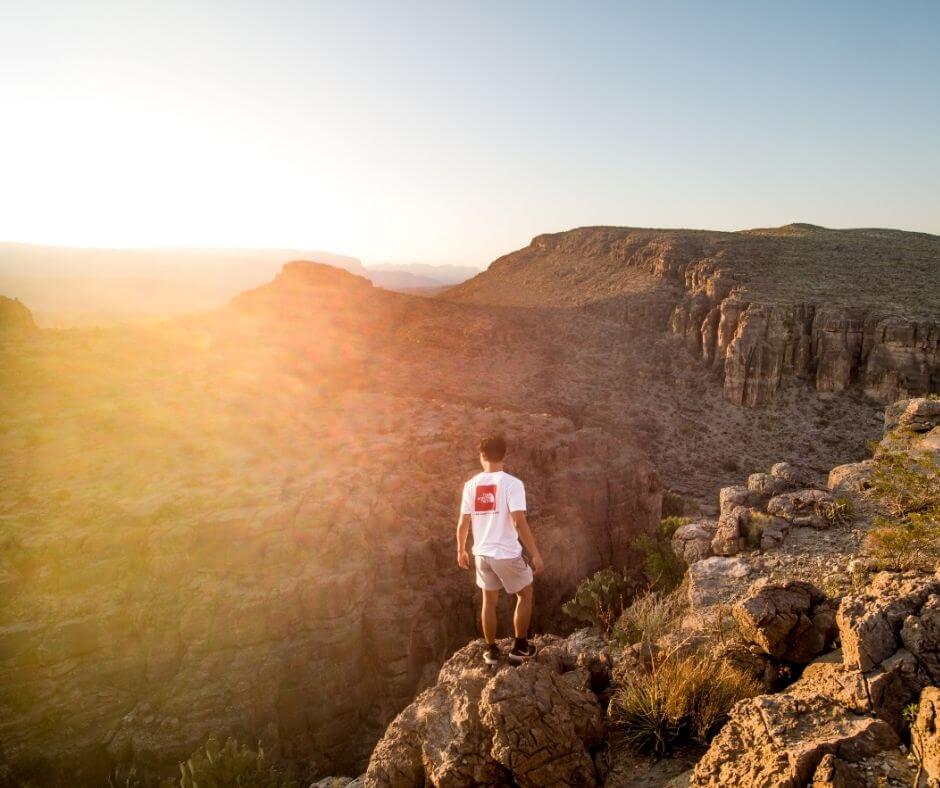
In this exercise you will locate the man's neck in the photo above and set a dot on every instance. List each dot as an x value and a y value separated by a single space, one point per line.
492 467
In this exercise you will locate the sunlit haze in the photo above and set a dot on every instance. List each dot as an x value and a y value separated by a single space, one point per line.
438 133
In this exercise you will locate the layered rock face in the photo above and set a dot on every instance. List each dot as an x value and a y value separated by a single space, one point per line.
244 524
762 307
758 347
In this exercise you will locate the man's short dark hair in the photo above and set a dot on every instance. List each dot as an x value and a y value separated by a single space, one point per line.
493 447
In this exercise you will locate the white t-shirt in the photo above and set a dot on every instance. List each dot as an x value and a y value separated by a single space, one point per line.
489 498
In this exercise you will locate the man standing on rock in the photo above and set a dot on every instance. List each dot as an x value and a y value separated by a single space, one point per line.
494 503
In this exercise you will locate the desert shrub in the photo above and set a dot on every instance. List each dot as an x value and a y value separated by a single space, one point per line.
600 599
648 618
913 543
673 504
754 527
234 764
662 567
906 486
906 482
680 700
669 525
840 511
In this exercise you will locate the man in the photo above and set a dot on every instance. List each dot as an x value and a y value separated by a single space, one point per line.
494 503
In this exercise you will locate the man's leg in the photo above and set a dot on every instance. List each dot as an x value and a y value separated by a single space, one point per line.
523 612
488 616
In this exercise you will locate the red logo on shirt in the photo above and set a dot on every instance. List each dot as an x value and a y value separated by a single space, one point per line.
485 500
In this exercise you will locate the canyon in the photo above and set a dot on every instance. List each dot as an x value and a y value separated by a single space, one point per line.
241 521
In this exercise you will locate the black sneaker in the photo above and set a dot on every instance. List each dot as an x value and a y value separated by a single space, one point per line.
522 652
491 654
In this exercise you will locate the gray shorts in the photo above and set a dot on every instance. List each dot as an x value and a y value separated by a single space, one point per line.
512 574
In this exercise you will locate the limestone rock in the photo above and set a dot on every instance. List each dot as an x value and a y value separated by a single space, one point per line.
918 415
791 621
766 485
729 538
850 478
730 498
533 725
925 735
542 726
870 624
786 475
801 508
780 740
693 542
710 580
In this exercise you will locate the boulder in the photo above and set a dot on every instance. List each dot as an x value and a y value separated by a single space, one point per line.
693 542
791 621
786 475
852 478
729 538
765 485
712 580
870 624
925 735
918 415
531 726
780 740
732 497
802 508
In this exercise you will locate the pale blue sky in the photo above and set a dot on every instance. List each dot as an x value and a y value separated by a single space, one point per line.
444 132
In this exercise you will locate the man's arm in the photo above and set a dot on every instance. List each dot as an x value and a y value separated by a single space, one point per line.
463 528
528 541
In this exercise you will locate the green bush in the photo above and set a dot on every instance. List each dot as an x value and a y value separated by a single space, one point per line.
906 486
600 599
663 568
230 766
913 543
669 525
680 700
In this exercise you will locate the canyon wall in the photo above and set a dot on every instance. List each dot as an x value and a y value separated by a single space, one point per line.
758 347
307 625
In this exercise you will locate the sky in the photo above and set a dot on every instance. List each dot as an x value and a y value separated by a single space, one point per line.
442 132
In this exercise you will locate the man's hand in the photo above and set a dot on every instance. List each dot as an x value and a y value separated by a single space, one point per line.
537 564
463 559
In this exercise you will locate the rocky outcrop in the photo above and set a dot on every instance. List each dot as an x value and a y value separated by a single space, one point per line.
759 346
849 707
925 736
790 621
711 579
897 611
917 415
693 542
534 725
15 319
780 740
